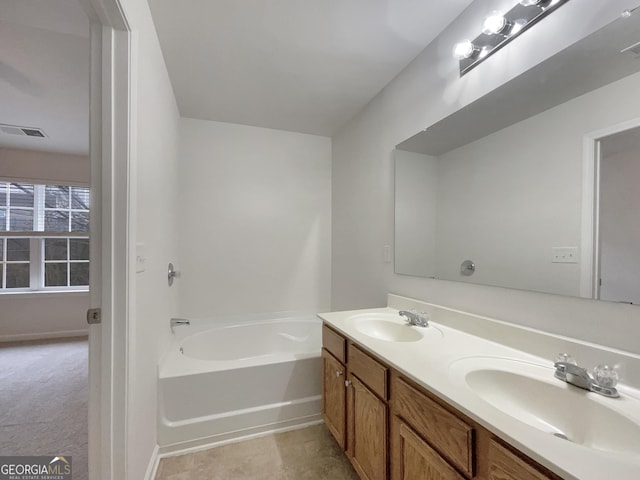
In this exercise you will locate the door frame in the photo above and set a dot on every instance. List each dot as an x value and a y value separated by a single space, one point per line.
590 249
111 137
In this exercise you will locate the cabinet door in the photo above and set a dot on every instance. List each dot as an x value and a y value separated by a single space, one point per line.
505 465
367 434
334 397
413 459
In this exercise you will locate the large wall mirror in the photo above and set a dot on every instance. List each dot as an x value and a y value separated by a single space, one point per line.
535 186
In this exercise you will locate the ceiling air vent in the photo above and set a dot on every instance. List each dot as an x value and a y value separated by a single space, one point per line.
21 131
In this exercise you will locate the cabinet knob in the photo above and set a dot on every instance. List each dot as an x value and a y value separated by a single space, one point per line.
339 373
347 383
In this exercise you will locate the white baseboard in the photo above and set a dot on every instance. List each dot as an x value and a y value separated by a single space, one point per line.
23 337
154 462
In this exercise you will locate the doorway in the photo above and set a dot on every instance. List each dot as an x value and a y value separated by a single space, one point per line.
110 136
610 253
44 229
619 217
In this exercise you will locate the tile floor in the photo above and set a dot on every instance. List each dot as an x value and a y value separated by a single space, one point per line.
306 454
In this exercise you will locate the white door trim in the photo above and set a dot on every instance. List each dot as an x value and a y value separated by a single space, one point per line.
110 152
589 251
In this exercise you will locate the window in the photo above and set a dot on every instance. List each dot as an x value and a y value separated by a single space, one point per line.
44 241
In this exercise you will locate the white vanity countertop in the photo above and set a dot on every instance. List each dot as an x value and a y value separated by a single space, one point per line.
429 363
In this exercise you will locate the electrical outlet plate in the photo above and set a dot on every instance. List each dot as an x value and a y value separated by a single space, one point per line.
564 255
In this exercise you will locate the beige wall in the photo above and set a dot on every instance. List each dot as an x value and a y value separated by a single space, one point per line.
44 167
28 316
25 316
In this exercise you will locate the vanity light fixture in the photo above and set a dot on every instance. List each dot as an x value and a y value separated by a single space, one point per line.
465 49
499 28
530 3
496 24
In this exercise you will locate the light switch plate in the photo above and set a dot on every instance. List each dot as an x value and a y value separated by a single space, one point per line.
564 255
140 258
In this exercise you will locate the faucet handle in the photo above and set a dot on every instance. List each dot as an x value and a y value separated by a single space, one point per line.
565 358
423 319
605 376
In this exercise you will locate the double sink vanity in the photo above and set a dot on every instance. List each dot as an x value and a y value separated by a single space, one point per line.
468 397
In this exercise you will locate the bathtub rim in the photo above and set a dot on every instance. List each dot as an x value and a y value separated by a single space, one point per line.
174 364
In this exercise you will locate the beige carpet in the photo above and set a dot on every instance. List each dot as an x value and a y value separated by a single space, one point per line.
43 400
306 454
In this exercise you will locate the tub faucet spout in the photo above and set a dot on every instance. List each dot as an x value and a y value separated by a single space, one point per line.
176 322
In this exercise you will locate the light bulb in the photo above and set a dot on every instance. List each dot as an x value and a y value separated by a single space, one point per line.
530 3
464 49
495 23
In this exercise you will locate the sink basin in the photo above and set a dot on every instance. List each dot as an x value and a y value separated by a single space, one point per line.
391 328
529 393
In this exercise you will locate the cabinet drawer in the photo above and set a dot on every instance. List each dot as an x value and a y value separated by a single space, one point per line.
371 372
506 465
449 435
334 343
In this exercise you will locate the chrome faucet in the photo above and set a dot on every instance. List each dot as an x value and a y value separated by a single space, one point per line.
175 322
418 319
603 382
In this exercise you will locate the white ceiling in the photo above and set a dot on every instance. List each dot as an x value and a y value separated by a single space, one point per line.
44 74
300 65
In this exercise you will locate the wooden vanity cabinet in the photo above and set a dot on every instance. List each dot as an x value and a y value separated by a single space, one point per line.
392 428
367 431
354 406
367 415
334 410
505 464
414 459
448 434
427 431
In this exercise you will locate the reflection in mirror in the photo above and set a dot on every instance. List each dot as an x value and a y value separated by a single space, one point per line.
415 214
508 181
619 225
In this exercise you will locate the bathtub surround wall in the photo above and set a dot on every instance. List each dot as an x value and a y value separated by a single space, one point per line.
254 220
362 180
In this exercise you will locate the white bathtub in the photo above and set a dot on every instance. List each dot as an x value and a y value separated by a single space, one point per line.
225 380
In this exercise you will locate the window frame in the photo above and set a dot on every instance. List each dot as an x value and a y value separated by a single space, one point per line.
37 238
